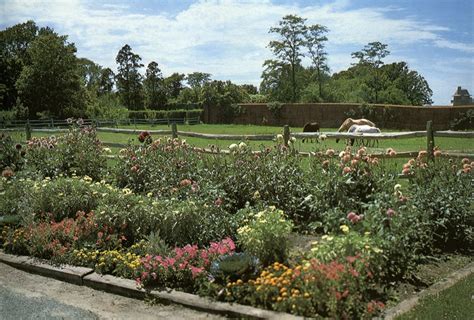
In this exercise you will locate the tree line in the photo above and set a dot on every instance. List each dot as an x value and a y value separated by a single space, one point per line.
42 77
368 80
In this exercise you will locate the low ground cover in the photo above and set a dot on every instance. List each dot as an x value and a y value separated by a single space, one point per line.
166 215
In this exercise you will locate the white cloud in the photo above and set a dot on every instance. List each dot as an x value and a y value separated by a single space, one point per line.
224 38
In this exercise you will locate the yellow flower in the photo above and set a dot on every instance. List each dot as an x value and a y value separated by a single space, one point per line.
344 228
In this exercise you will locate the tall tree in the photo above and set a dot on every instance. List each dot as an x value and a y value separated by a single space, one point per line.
315 42
174 85
155 93
14 43
90 73
287 48
106 81
50 83
129 79
371 57
196 81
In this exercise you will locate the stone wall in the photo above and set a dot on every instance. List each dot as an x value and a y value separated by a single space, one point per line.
333 114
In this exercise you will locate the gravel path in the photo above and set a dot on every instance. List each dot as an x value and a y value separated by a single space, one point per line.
28 296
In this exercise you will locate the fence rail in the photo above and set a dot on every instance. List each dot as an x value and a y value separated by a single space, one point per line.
54 123
429 134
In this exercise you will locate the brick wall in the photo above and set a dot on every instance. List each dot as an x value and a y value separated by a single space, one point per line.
333 114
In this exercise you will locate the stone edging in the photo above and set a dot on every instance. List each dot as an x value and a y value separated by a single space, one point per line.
410 303
127 287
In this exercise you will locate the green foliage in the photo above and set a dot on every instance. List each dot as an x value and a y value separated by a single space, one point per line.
261 231
129 79
52 68
14 43
444 192
76 152
464 121
275 108
234 266
155 91
186 222
106 106
11 154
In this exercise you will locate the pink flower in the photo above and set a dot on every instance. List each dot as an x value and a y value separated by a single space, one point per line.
218 202
195 271
390 212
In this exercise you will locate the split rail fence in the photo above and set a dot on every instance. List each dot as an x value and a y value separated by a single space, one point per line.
430 135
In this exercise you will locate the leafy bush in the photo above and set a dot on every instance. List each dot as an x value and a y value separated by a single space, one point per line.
464 121
11 154
78 151
265 234
337 290
443 191
194 222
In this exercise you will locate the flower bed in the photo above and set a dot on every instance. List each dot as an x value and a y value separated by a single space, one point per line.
167 216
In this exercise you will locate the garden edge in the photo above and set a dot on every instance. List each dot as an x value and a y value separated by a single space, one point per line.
410 303
126 287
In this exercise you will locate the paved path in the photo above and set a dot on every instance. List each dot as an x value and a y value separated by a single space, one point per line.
28 296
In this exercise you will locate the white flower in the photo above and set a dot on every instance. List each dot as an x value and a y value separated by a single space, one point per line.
322 137
293 139
397 187
279 138
242 145
233 147
108 150
341 154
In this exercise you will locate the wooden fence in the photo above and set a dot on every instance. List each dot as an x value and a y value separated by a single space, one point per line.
54 123
287 135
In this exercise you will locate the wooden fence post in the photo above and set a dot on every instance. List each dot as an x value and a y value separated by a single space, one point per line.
174 130
429 139
28 130
286 134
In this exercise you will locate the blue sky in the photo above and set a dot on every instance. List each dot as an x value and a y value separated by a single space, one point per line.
228 38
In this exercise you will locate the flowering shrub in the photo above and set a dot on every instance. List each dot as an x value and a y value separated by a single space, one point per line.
77 151
265 234
346 182
157 167
11 154
179 269
341 290
443 191
53 240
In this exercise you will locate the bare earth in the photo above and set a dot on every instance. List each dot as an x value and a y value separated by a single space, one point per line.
28 296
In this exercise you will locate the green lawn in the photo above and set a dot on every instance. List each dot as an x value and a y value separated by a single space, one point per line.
411 144
455 303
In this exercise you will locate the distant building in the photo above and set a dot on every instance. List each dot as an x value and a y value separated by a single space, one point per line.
461 97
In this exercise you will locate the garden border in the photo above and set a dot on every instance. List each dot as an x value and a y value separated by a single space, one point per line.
126 287
411 302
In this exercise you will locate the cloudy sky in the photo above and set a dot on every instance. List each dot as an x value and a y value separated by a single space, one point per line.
228 38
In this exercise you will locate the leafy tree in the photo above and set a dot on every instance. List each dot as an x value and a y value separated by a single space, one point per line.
129 79
155 93
196 80
14 43
315 42
106 81
90 73
174 85
371 57
291 30
249 88
50 84
413 87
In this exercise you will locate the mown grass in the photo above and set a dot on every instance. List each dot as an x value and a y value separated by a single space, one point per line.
455 303
400 145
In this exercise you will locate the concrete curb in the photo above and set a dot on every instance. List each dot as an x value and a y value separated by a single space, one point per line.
410 303
64 272
127 287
